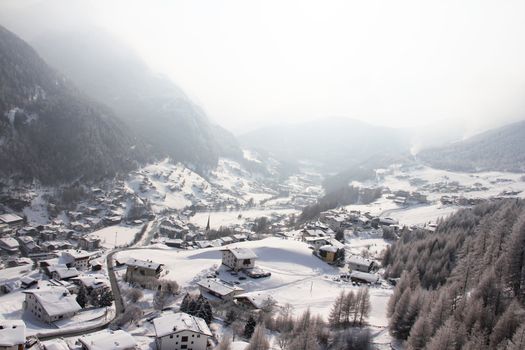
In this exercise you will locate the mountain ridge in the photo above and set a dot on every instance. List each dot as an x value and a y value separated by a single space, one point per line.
49 130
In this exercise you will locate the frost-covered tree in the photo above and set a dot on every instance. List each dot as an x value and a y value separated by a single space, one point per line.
518 340
225 343
259 341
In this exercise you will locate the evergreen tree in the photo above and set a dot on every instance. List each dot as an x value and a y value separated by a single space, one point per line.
398 324
336 313
364 305
507 324
205 311
249 328
106 298
518 340
82 296
184 305
516 259
231 315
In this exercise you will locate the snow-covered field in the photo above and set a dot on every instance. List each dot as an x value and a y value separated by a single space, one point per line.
227 218
471 185
118 235
298 277
421 214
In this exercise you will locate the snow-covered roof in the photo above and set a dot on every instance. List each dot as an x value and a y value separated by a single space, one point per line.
329 248
314 239
357 260
108 340
55 344
241 253
335 243
368 277
76 254
94 281
227 240
10 218
9 242
64 272
217 286
257 299
12 332
144 264
55 300
180 321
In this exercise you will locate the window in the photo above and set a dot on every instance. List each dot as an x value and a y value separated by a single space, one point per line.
185 338
171 336
246 262
184 346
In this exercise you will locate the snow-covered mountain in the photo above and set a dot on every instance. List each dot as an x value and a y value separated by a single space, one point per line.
51 131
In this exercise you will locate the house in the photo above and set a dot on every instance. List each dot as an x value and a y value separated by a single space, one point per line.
51 304
10 245
203 244
238 258
218 288
180 331
108 340
240 237
11 220
12 335
113 220
27 282
64 273
253 300
329 253
55 245
89 243
226 240
28 245
363 277
316 242
137 269
76 258
357 263
174 243
93 282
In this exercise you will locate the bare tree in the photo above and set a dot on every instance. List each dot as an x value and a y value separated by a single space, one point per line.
225 343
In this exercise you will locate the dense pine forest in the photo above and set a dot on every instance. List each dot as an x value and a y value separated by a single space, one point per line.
462 286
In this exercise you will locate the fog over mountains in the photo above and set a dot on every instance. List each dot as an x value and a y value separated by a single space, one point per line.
500 149
50 130
127 114
152 105
334 143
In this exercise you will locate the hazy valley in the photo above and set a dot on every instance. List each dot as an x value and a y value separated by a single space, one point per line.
130 219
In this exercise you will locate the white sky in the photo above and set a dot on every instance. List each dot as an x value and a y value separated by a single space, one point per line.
395 63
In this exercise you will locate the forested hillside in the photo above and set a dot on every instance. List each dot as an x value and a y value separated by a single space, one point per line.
501 149
463 286
48 129
152 105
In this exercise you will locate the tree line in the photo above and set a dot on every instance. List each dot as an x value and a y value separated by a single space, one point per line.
462 286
